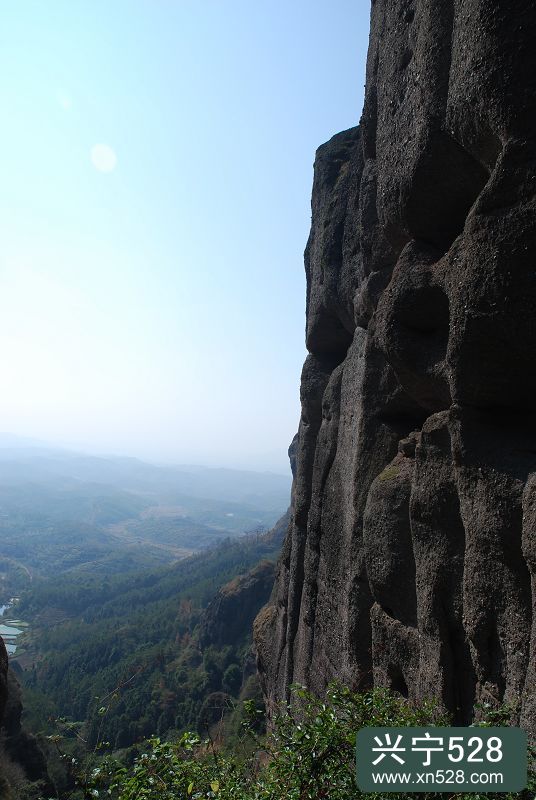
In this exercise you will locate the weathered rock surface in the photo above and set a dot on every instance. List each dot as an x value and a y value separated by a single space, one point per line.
19 747
411 548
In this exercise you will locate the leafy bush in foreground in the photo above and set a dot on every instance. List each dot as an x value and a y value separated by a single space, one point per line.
308 756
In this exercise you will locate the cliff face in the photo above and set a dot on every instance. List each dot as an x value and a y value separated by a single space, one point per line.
20 754
411 546
22 747
229 616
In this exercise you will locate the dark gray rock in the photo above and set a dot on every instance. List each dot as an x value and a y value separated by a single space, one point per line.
23 747
17 746
410 558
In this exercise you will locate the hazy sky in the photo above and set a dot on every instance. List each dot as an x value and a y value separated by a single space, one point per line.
156 167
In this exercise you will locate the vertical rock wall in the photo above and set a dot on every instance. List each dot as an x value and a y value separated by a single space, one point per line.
20 753
411 547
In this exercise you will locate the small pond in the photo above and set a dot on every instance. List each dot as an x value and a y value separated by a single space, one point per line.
10 628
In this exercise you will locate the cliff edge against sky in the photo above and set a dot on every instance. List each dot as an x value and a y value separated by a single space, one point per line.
411 548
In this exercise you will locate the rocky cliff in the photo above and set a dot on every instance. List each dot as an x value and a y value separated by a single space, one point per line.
229 616
22 763
411 546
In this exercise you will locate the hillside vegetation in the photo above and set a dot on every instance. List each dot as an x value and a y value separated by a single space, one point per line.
136 641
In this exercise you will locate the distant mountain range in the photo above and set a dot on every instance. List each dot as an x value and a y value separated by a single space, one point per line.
30 461
62 510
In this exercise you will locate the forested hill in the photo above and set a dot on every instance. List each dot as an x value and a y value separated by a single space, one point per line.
62 511
132 645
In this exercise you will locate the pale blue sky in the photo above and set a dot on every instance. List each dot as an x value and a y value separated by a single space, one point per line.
158 309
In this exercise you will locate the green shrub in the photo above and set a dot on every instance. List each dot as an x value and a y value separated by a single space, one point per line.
309 755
